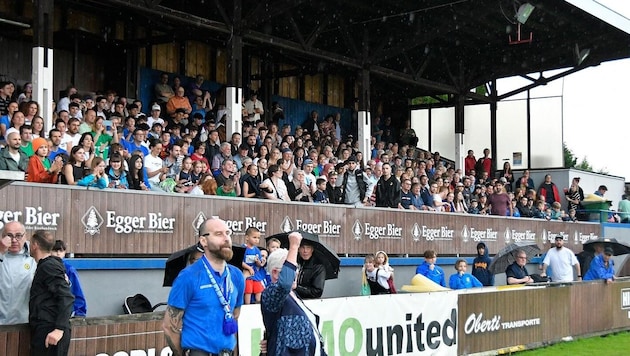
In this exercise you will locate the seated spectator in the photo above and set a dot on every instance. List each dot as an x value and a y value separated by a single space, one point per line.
87 142
516 273
40 169
474 206
429 269
297 188
97 177
572 216
227 189
460 203
12 158
416 198
197 172
74 170
250 182
116 173
556 212
273 188
461 279
602 267
136 177
540 212
179 101
208 184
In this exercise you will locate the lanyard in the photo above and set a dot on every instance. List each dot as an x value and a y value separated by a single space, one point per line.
222 293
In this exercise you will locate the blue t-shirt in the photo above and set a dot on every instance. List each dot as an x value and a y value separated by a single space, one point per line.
250 259
203 313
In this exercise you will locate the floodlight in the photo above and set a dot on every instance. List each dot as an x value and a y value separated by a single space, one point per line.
524 11
580 55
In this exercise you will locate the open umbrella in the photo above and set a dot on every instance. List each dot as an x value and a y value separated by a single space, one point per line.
322 253
619 248
180 259
505 256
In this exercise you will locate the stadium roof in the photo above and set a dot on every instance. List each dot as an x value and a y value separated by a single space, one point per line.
410 47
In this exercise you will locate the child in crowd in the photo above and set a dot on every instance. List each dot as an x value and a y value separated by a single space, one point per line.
474 207
377 278
539 211
273 244
556 212
262 275
252 262
227 189
429 269
184 174
197 171
382 262
571 216
461 279
320 195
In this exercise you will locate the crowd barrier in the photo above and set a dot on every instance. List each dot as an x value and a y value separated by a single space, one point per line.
120 222
444 323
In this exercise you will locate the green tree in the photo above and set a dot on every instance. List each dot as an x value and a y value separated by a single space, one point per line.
569 158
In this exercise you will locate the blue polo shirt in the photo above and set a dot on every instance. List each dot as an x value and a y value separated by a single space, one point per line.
203 313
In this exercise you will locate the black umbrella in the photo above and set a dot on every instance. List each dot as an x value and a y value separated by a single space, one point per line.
505 256
619 248
322 253
180 259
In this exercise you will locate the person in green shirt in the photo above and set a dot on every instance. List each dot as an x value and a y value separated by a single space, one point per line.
624 209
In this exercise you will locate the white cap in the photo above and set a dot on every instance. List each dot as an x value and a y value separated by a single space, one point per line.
155 107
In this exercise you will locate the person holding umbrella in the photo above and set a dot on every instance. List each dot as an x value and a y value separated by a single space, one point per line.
311 275
290 325
516 273
602 267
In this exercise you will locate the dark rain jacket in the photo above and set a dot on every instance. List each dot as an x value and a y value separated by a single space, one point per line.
311 279
480 267
51 300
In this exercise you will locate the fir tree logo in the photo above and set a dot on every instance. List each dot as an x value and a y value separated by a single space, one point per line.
92 221
357 231
544 236
286 225
415 232
465 234
199 219
506 235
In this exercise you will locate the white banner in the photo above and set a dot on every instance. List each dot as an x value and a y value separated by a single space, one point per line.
399 324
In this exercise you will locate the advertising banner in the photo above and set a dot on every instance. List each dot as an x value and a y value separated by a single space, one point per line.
399 324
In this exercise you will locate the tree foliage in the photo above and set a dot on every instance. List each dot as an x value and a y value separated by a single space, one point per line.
571 161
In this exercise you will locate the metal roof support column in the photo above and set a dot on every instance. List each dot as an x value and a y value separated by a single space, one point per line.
364 123
493 136
42 76
459 132
234 90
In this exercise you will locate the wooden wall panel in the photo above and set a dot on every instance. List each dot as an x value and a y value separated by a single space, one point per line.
313 88
221 66
336 91
197 59
165 57
115 222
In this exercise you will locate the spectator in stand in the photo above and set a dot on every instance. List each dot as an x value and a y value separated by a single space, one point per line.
137 178
75 169
525 182
508 175
574 195
12 158
474 206
97 177
273 188
5 120
429 269
548 191
387 189
354 184
484 164
116 173
40 169
27 93
601 190
516 273
406 195
163 92
54 149
481 264
525 207
37 127
500 202
460 203
624 208
297 188
179 101
250 182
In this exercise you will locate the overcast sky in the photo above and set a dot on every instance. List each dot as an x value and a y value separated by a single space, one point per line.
596 110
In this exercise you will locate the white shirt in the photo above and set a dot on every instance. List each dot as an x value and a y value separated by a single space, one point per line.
74 140
249 106
561 263
153 164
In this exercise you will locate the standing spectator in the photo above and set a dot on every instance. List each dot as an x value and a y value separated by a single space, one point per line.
376 277
51 301
507 176
481 264
312 274
254 109
624 208
574 195
429 269
602 267
548 191
252 263
17 269
354 184
204 320
461 279
406 196
500 202
601 191
79 308
290 324
484 164
560 259
387 189
320 195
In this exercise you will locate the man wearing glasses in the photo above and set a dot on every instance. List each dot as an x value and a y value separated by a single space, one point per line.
206 298
516 273
17 269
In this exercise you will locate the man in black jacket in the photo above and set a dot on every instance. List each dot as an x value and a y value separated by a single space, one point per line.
387 189
51 300
312 274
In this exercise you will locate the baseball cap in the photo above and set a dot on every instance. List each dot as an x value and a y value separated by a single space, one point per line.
608 251
156 107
